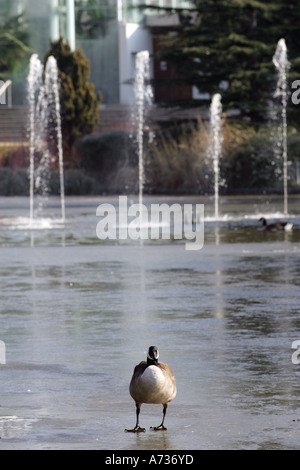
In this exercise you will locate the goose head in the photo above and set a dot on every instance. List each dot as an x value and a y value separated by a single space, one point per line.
152 355
263 220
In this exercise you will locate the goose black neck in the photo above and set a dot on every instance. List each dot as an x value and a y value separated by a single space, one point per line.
152 362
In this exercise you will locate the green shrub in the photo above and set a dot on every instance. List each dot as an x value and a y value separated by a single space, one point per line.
77 183
249 163
111 159
13 182
79 103
178 160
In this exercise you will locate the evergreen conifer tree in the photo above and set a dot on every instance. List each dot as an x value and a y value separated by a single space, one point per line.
227 46
14 45
79 103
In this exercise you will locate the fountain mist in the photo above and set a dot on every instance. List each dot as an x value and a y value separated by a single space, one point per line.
215 144
143 99
44 125
34 85
282 65
51 80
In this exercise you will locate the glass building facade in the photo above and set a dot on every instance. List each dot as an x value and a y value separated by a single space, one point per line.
105 30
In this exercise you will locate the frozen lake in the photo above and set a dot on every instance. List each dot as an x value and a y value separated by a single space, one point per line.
77 314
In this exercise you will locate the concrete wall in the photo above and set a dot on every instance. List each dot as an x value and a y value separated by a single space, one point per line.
133 38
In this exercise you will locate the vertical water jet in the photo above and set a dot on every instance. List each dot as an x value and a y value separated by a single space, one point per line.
51 81
215 144
282 65
34 80
142 99
44 121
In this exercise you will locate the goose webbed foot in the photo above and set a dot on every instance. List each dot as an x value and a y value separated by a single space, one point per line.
161 427
136 429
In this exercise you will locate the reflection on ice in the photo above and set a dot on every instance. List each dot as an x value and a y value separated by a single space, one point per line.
25 223
13 426
229 217
238 221
74 316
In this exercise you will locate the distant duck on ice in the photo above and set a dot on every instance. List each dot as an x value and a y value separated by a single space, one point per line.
276 226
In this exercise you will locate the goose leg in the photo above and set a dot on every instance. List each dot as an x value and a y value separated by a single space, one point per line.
161 427
137 427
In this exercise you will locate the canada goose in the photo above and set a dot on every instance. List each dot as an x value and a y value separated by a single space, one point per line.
152 382
276 225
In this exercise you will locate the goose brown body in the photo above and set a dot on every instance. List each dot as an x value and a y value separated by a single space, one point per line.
152 382
275 226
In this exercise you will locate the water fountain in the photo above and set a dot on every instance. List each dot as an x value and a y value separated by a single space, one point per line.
51 80
215 144
282 65
143 99
44 118
34 86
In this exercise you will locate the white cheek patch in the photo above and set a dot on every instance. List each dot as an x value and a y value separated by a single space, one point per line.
156 356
